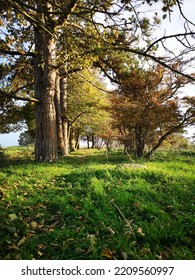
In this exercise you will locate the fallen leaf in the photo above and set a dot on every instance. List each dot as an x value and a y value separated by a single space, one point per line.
90 250
137 204
79 250
111 231
40 253
41 246
13 217
22 241
107 253
139 230
55 244
91 236
164 255
54 224
124 255
33 224
13 247
42 206
145 251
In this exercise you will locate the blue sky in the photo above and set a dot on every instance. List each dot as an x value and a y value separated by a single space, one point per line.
10 139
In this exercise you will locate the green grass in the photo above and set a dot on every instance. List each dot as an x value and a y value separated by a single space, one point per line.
93 206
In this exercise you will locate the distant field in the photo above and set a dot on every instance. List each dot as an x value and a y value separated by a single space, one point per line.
94 205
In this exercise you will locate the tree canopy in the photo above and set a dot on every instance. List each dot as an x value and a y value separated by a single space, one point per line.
43 42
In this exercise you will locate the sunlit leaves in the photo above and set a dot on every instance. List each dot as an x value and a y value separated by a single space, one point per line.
147 107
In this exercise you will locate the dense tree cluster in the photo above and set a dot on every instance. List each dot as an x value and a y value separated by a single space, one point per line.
44 45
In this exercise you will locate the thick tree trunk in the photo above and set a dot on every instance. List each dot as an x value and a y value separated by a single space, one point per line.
45 77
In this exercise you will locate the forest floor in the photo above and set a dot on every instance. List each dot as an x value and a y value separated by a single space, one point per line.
94 205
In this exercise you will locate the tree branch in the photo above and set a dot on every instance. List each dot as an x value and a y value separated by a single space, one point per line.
22 53
30 17
169 37
12 94
90 82
154 58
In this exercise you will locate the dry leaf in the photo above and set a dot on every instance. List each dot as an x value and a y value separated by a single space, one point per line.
139 230
22 241
33 224
137 204
41 246
40 253
13 217
164 255
107 253
124 255
111 231
53 225
55 244
13 247
90 250
79 250
145 251
42 206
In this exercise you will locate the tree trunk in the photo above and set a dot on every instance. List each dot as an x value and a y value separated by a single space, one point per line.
63 100
72 140
60 130
93 141
162 139
139 141
45 77
88 141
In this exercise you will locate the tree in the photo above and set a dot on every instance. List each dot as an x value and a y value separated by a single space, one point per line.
176 141
56 37
146 108
85 113
25 139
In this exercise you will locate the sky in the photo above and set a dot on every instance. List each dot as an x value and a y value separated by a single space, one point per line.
175 26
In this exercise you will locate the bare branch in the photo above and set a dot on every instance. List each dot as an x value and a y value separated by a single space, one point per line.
181 12
169 37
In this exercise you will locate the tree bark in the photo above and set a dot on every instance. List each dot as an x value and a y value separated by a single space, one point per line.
64 106
45 77
93 141
139 141
59 122
72 142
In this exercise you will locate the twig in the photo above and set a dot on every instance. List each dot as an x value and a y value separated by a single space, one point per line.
128 223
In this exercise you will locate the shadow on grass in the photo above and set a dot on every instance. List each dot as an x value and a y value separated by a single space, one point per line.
98 211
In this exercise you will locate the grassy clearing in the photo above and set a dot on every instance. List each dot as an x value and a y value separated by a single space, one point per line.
96 206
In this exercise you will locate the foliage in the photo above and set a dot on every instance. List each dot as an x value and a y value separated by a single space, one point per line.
146 107
86 101
25 139
92 207
52 40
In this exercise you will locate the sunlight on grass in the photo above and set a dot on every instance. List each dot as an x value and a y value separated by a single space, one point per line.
89 206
